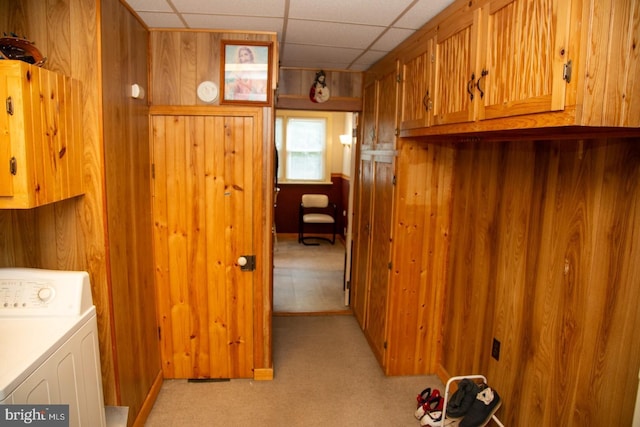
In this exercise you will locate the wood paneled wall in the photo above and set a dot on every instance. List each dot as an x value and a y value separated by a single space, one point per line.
68 235
544 258
107 231
181 60
128 202
420 245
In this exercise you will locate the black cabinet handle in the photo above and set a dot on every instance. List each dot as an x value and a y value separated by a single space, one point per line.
470 85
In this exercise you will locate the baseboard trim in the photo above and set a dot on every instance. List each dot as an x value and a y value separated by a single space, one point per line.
149 401
442 373
263 374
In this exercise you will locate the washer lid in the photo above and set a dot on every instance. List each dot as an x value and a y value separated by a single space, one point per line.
27 342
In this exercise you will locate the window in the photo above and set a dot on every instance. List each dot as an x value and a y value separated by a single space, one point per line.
302 148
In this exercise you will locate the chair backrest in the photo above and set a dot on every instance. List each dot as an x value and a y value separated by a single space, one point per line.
315 200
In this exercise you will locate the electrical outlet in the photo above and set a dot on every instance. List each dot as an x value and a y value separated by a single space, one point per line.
495 349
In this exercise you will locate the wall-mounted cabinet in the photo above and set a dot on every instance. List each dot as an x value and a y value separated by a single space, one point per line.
416 99
40 136
379 109
522 57
493 65
455 51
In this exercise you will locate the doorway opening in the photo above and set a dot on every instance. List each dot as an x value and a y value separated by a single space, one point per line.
313 279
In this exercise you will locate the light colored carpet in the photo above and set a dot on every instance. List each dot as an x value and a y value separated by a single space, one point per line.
308 279
325 375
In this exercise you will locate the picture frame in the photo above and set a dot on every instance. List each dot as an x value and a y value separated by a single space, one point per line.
246 72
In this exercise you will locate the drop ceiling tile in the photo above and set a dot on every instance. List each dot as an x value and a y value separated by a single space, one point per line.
161 20
372 12
421 13
390 39
150 5
331 34
272 8
370 57
329 55
246 23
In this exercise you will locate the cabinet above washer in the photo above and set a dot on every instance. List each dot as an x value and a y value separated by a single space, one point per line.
40 136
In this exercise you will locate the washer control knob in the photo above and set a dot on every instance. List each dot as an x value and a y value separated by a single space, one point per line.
45 294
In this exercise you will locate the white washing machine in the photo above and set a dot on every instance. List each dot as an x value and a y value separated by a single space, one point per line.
49 350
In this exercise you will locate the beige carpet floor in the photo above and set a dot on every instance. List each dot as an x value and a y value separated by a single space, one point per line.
325 375
308 279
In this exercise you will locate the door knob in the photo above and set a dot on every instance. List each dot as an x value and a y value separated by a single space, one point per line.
247 262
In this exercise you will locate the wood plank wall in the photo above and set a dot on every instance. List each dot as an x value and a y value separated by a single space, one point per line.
70 234
544 258
106 231
128 202
180 60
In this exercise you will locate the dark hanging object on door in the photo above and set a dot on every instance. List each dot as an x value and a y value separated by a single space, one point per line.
14 47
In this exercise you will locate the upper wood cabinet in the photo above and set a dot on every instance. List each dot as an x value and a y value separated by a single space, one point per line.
369 109
379 109
514 64
503 59
40 136
456 48
522 57
416 99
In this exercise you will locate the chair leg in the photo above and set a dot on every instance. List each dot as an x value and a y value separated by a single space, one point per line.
335 226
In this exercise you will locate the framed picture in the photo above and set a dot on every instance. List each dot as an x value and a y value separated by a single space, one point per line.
246 71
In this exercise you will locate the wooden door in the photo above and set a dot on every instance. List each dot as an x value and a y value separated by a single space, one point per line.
455 64
416 103
362 241
382 206
523 57
203 194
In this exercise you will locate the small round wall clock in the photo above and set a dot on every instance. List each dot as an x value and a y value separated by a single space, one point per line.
207 91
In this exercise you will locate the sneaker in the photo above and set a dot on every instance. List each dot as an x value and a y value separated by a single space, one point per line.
486 404
433 419
462 399
424 396
434 403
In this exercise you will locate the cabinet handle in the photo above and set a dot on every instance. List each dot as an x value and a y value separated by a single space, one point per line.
9 105
13 166
470 85
482 76
426 101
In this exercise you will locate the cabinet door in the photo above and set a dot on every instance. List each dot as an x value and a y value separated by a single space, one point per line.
416 102
369 100
523 57
6 176
455 64
362 241
387 110
382 206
